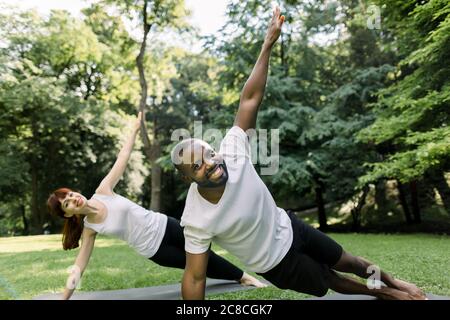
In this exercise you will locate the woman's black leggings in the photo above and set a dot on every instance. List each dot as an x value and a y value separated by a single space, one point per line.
171 254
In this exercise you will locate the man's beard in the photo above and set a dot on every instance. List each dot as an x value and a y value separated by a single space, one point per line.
214 184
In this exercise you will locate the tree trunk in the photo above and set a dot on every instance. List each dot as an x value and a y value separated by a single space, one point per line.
415 201
404 203
356 211
153 152
440 183
283 56
151 149
142 80
321 209
155 201
380 196
33 161
26 230
36 218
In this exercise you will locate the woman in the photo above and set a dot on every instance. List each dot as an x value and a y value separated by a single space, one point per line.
154 235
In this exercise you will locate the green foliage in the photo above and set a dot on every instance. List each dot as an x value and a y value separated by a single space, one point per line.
56 129
412 115
360 106
427 151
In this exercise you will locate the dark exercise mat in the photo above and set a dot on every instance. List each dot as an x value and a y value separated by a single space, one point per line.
173 292
338 296
166 292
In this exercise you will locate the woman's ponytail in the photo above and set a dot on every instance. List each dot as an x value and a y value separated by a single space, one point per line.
73 227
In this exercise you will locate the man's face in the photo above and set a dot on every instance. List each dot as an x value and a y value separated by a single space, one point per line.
200 163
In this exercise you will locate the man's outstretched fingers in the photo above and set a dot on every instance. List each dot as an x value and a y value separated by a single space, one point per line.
276 11
280 21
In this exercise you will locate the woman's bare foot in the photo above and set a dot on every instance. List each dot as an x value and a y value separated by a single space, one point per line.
248 280
410 288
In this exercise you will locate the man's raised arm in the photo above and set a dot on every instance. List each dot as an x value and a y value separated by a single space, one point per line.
253 91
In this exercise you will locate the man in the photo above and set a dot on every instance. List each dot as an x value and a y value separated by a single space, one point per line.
229 204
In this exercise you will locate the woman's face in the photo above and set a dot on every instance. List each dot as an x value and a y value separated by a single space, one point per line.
73 203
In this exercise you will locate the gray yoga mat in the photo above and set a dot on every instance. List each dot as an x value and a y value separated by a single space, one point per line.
338 296
173 292
166 292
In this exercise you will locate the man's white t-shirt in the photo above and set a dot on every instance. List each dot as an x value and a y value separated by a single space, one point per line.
246 221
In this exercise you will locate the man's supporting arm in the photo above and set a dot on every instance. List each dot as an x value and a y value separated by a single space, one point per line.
194 278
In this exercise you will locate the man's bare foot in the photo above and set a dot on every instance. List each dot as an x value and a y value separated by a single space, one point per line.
411 289
248 280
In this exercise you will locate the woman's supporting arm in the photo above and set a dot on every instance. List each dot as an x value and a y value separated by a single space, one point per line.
81 262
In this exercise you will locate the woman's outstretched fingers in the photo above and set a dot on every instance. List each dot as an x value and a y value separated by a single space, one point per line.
137 123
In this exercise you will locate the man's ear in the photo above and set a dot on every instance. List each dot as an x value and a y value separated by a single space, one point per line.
186 178
182 175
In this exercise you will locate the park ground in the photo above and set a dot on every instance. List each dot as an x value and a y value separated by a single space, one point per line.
34 265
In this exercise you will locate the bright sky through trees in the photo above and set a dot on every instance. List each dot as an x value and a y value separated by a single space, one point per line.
208 16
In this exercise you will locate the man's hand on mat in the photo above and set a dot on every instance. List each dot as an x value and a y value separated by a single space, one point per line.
137 122
411 289
274 30
248 280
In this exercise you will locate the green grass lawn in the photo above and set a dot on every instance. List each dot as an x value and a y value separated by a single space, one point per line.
34 265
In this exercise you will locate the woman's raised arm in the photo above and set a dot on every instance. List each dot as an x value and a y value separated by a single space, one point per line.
112 178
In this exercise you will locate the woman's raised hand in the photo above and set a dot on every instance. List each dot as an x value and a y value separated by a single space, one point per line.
137 122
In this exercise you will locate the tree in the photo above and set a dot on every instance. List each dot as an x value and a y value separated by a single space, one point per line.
156 16
412 115
55 130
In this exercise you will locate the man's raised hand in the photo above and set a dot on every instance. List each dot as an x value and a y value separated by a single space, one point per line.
274 30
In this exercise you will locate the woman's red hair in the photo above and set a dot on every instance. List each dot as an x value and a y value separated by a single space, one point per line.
73 226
